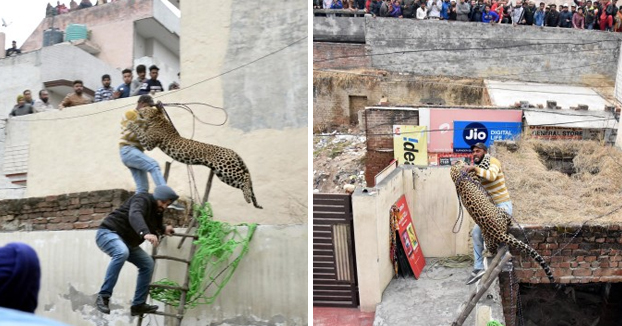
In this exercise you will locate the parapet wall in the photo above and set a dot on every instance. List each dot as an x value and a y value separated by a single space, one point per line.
527 53
593 256
83 210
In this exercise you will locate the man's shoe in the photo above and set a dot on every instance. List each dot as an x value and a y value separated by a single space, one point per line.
143 308
102 304
476 274
177 206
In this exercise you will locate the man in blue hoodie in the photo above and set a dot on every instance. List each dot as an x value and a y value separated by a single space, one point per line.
538 17
489 16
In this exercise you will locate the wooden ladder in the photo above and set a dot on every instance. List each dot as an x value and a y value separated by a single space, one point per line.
154 254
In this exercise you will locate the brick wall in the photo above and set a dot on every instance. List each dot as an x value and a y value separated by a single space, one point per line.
354 56
379 132
595 255
84 210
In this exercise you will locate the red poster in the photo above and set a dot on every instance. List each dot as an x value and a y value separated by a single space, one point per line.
408 236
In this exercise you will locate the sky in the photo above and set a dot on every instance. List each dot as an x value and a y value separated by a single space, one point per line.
23 16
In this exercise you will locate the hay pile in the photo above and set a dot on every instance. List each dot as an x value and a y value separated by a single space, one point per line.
544 196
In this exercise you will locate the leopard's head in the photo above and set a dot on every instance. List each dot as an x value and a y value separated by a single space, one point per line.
456 170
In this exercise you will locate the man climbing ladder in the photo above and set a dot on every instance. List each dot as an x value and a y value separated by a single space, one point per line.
119 236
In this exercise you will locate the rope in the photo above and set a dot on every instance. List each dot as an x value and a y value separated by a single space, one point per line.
459 261
217 242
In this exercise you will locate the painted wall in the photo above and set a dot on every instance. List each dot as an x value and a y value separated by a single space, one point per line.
434 207
264 290
112 28
339 29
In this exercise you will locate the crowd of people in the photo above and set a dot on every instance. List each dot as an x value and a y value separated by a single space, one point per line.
61 8
580 14
131 86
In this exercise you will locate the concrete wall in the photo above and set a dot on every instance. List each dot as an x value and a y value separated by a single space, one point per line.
7 189
491 51
434 208
339 29
266 289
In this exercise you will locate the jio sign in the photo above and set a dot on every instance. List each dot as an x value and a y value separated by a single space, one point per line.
468 133
474 133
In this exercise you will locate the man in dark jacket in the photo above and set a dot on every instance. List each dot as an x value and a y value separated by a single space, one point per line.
119 236
530 10
565 17
552 18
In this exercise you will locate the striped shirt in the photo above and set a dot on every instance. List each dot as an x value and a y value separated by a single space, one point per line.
493 181
128 138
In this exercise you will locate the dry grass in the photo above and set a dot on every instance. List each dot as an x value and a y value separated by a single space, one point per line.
543 196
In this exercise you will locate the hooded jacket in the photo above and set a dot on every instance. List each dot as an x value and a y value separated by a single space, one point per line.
137 217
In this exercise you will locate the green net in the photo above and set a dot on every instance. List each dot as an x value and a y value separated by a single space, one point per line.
211 264
494 323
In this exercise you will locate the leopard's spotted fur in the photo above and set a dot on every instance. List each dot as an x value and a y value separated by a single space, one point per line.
153 130
493 220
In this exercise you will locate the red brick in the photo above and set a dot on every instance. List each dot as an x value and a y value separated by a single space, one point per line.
60 226
564 265
81 225
85 218
591 258
600 240
69 219
581 272
51 198
84 211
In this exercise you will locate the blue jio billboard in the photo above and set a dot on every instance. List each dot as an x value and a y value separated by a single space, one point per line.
468 133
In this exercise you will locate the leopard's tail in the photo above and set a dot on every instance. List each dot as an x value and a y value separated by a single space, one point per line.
511 241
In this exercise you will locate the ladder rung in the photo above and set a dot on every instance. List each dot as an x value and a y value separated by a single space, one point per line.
171 258
164 286
167 314
185 235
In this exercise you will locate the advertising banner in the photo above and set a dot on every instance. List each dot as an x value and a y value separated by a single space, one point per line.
555 133
410 145
451 158
441 131
408 236
468 133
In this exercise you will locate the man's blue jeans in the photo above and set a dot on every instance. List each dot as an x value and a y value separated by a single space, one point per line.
139 164
112 244
478 239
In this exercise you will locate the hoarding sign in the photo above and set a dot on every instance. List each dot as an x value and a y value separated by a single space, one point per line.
408 237
410 145
468 133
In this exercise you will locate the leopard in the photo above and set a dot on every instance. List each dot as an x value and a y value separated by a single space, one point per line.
154 130
494 221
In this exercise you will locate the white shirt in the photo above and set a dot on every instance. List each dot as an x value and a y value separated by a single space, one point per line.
422 13
40 106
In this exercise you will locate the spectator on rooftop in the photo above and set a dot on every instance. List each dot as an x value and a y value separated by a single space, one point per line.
73 5
141 71
336 4
589 19
578 21
618 21
538 16
445 10
21 108
396 9
529 10
28 97
13 50
606 17
152 85
43 103
565 17
327 3
489 16
573 9
409 9
374 7
453 13
76 98
50 11
476 11
104 93
518 14
85 4
123 90
422 11
462 11
61 8
552 18
434 9
173 86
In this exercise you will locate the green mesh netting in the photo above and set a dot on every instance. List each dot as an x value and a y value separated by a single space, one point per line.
216 244
494 323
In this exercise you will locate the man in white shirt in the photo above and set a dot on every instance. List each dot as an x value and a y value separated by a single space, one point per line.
422 12
43 103
434 8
